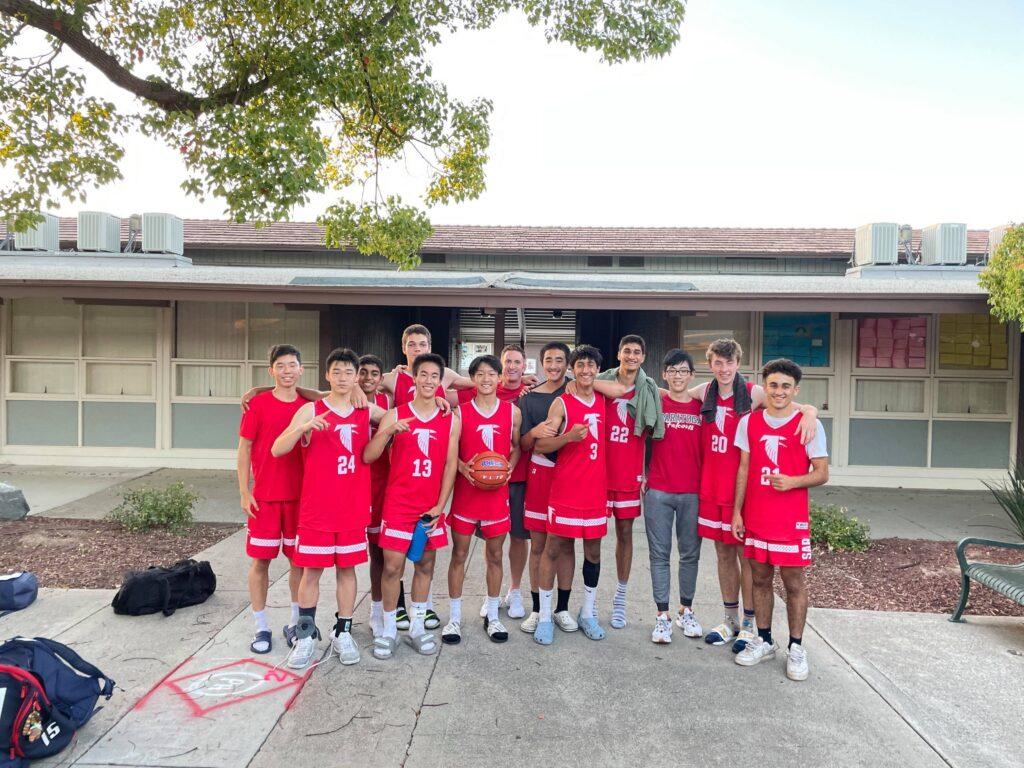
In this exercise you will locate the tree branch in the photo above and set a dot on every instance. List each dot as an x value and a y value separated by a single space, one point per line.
65 28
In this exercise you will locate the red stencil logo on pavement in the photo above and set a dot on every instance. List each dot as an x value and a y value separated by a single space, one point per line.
229 684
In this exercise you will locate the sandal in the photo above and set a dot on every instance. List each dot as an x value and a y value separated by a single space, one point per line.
290 634
431 620
424 644
402 618
264 640
384 647
452 634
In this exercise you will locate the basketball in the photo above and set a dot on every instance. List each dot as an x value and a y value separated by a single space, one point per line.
489 470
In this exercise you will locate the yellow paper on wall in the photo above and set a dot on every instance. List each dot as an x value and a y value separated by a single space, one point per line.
947 347
946 358
998 364
963 360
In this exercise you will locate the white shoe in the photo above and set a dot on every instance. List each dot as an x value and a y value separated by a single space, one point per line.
483 609
687 622
565 622
514 604
346 648
530 625
662 634
302 653
756 651
796 662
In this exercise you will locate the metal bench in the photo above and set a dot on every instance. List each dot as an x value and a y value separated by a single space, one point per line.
1007 580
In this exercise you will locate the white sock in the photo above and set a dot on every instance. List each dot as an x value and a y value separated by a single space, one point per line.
419 612
492 608
261 620
376 609
390 628
430 601
589 600
455 609
295 614
545 604
514 594
619 606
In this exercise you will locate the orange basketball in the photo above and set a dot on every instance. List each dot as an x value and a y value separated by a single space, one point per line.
489 470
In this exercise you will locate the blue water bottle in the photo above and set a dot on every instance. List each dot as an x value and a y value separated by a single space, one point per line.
419 538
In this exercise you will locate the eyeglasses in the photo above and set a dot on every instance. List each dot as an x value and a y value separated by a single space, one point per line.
678 371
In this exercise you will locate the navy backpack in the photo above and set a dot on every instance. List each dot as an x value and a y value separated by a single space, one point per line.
47 692
17 591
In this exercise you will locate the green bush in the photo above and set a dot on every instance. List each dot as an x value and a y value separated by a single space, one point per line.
144 508
832 527
1009 493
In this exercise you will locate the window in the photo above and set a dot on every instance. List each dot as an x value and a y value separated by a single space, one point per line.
698 331
44 328
433 258
119 332
803 338
972 342
963 397
814 392
892 342
32 377
631 262
889 396
599 261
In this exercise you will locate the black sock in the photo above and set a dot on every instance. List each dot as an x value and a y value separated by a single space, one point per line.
563 600
311 612
535 596
401 594
765 634
662 607
796 640
748 614
342 624
591 573
687 602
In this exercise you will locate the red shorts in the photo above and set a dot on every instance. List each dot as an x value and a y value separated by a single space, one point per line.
572 523
396 535
324 549
714 521
538 488
795 553
376 511
624 505
272 530
489 529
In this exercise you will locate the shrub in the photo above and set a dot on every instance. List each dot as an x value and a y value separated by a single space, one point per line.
832 527
1010 495
144 508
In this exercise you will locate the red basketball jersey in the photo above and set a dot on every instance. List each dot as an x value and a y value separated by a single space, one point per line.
675 459
720 459
336 480
625 458
405 388
771 514
417 464
380 468
580 480
280 478
482 432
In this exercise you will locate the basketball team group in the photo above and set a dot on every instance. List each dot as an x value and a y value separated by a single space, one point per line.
389 466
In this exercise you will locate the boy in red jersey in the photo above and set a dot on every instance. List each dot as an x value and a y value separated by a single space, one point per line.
424 462
577 503
724 401
487 424
272 505
670 501
335 506
371 371
401 384
771 510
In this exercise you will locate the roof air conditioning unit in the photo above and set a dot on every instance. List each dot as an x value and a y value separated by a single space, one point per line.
99 231
995 237
944 244
162 233
45 236
876 244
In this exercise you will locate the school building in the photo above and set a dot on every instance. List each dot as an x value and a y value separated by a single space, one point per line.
129 342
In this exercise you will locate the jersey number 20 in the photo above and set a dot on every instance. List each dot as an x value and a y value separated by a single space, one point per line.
719 443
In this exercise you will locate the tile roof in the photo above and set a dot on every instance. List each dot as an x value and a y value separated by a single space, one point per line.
213 234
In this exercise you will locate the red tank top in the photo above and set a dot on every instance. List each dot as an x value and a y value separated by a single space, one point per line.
417 464
405 389
720 459
675 459
625 459
775 515
380 468
482 432
336 480
579 481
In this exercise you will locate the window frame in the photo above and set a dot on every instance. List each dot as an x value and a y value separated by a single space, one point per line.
922 415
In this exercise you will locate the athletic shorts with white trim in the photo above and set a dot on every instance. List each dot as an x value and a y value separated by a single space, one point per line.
624 505
326 549
272 530
538 489
489 529
572 523
714 521
795 553
396 535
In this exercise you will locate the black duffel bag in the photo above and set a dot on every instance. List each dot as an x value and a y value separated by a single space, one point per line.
165 589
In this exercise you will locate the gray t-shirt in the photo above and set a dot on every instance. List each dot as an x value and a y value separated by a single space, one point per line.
535 406
816 449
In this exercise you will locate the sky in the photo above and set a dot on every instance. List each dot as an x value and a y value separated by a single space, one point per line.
766 114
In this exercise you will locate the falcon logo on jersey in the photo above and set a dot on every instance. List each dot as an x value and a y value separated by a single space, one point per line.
771 447
720 414
592 420
345 432
423 438
621 408
487 433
